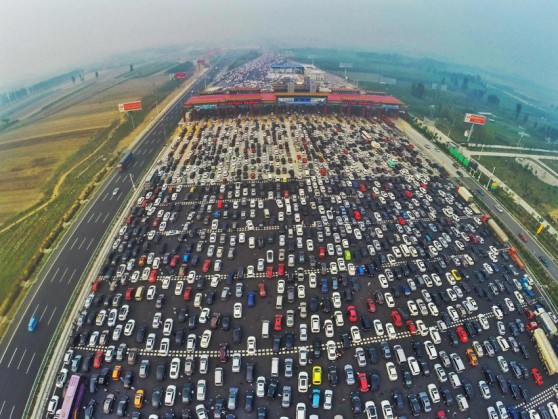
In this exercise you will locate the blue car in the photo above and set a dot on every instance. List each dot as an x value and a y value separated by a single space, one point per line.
316 398
33 322
186 257
251 299
325 288
360 270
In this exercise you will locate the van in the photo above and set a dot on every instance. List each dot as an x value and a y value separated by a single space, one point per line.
219 376
399 354
454 380
252 242
275 367
552 409
457 363
405 250
288 209
139 293
462 403
265 329
279 302
266 214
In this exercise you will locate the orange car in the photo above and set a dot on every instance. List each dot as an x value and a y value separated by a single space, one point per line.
138 400
116 372
473 360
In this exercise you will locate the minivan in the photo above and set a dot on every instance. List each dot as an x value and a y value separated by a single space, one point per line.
279 302
399 354
462 403
139 293
219 376
275 367
265 329
457 363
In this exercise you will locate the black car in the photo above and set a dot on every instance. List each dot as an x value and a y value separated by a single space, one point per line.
219 407
237 334
414 404
502 383
90 409
489 375
398 401
356 402
468 388
272 388
122 406
386 351
332 376
406 377
374 380
424 367
446 395
249 400
514 389
317 348
524 392
188 393
289 339
373 353
104 376
276 343
161 371
250 372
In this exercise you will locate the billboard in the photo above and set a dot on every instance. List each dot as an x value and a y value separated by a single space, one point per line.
130 106
301 100
180 75
475 119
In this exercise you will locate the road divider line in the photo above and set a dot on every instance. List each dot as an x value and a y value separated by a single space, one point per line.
21 360
49 320
12 358
74 243
43 313
63 275
72 276
89 245
30 362
83 241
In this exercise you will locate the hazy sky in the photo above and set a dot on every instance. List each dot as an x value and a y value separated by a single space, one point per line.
38 37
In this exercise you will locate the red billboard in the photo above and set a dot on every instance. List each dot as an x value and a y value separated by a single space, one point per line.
130 106
180 75
475 119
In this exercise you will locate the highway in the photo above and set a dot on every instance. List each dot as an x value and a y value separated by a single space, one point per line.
503 218
21 352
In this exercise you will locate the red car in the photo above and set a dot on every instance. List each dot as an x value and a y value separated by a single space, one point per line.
220 204
352 314
529 313
363 382
153 276
96 285
362 188
269 272
188 293
206 265
408 194
322 172
321 252
280 269
357 215
278 319
401 221
441 414
174 261
396 318
129 294
531 325
98 360
462 335
522 236
371 305
537 376
263 292
411 327
286 193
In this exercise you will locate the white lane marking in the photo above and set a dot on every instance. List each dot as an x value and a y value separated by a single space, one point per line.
105 197
63 275
106 216
83 241
98 216
43 313
36 308
21 360
142 162
12 412
90 217
2 408
12 358
30 362
72 276
51 279
48 323
89 245
74 243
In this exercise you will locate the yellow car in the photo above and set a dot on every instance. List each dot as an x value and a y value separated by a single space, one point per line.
472 357
116 372
138 400
455 275
317 375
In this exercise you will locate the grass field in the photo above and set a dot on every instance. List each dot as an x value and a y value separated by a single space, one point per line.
59 153
553 164
543 197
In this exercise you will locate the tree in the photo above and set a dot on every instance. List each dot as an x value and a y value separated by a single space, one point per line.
493 100
517 110
74 79
465 84
96 74
417 90
131 68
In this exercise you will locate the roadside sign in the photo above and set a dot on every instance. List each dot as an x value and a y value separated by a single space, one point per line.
180 75
130 106
475 119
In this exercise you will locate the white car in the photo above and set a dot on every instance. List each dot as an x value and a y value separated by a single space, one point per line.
484 322
303 382
237 310
336 298
331 349
387 411
315 323
378 327
390 302
303 332
174 371
390 330
434 393
412 308
281 286
355 334
391 371
338 317
430 350
204 315
236 362
328 328
413 365
205 339
435 335
251 345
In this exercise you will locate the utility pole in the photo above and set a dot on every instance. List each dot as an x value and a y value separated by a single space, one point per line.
490 178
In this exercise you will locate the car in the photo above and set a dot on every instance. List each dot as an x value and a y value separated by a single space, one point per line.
356 402
484 390
302 381
352 314
391 371
387 411
537 376
52 405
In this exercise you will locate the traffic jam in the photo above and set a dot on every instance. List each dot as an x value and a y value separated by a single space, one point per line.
297 265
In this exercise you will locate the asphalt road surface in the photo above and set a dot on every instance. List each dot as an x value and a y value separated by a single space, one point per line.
22 352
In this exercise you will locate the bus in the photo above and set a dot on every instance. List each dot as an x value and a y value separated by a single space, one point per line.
123 164
71 406
547 354
543 318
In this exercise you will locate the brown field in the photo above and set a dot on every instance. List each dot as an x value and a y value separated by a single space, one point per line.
31 153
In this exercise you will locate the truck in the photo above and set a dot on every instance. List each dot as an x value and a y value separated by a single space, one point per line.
513 254
547 354
475 208
544 319
125 161
465 194
526 286
496 229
